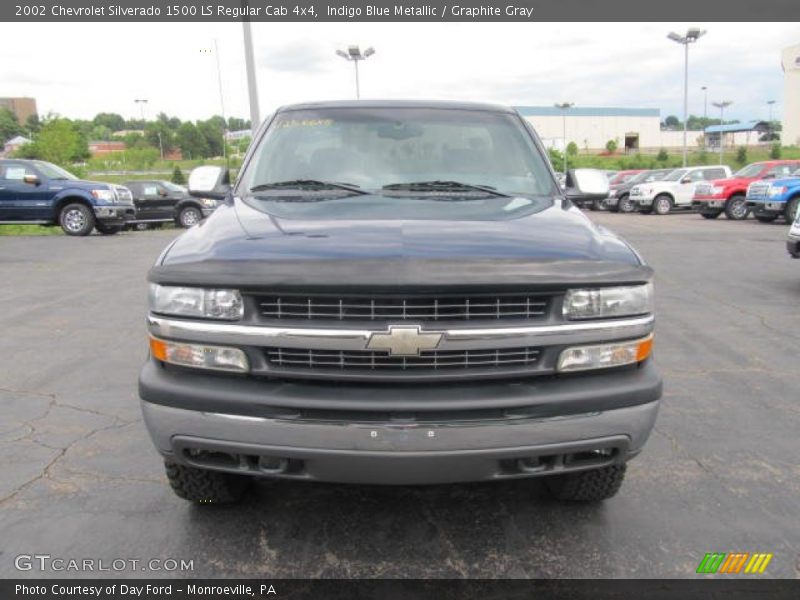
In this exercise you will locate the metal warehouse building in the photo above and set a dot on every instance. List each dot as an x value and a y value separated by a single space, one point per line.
791 96
592 127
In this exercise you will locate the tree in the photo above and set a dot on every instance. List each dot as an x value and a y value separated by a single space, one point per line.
113 121
158 134
33 124
672 122
191 142
100 132
141 157
741 155
9 125
59 142
775 151
177 176
611 146
572 149
662 155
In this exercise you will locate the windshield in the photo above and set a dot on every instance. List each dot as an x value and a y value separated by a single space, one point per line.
51 171
675 175
391 156
749 171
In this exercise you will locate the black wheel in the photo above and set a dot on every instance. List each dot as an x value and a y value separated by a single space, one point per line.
76 219
205 487
707 215
189 216
625 204
108 229
662 205
766 218
790 213
587 486
736 207
598 204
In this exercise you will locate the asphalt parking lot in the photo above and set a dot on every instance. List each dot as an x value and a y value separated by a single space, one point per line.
80 479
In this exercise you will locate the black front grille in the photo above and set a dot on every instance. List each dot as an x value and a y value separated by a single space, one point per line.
412 308
429 360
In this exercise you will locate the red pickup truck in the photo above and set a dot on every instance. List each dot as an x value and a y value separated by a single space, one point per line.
728 195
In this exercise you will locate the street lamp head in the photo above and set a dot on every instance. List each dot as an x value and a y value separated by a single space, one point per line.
343 54
564 105
354 52
369 52
695 33
676 38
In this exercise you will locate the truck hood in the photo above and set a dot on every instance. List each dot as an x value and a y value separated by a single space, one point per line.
742 182
788 182
239 245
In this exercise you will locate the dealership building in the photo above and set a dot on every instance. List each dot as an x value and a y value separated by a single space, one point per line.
23 108
790 136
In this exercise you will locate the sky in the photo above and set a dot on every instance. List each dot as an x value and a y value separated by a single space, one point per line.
78 70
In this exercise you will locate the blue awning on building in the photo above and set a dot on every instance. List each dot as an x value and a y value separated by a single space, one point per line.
759 126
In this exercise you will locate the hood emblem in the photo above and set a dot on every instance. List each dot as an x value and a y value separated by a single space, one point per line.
404 340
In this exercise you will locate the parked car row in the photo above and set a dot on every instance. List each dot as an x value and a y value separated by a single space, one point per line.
41 193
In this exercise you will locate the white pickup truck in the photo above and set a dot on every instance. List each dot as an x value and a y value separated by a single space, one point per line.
676 190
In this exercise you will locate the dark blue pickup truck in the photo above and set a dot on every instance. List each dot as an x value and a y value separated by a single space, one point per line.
38 192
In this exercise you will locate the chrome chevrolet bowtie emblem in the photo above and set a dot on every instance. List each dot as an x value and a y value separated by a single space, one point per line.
404 340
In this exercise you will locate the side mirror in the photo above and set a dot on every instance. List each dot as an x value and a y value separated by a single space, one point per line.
210 182
31 179
769 176
587 184
163 193
686 179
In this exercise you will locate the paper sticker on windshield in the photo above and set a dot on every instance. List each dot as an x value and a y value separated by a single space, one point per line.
15 173
306 123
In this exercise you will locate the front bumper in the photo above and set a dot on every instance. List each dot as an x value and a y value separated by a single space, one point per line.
120 213
713 205
400 434
642 200
766 207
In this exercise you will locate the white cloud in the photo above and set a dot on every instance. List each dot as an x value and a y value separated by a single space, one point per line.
83 69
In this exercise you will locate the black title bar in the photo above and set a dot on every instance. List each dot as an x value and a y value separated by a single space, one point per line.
309 11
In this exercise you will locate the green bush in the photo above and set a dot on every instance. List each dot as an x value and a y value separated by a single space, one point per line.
775 151
662 156
177 176
611 146
572 149
741 155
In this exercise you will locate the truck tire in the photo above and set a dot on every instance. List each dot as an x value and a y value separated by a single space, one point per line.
625 205
662 204
736 208
598 204
76 219
109 229
189 216
587 486
766 218
790 212
707 215
205 487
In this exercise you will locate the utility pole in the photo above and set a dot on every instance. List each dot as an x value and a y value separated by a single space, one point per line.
221 105
141 102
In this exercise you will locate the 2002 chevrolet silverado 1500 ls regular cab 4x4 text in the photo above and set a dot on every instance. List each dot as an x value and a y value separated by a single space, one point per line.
398 293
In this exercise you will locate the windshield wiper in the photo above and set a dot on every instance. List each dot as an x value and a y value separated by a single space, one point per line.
444 186
301 184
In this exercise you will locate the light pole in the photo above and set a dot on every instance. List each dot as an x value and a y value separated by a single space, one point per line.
354 55
705 104
564 107
770 104
141 102
250 67
721 106
692 35
221 104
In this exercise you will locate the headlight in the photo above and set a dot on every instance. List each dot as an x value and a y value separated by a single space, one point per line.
612 193
604 356
196 302
608 302
777 191
104 195
200 356
717 190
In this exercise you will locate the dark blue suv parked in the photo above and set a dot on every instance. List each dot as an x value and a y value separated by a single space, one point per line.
38 192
